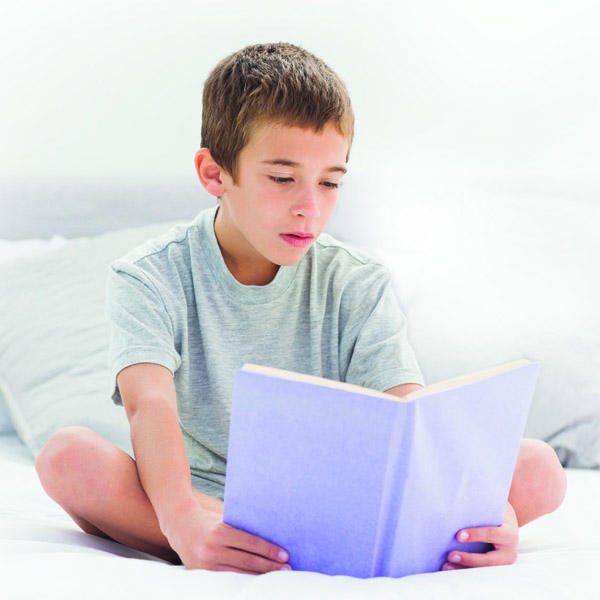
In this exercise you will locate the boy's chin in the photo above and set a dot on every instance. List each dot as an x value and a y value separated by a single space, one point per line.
291 260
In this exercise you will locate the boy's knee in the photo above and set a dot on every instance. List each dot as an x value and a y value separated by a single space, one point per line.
538 463
66 455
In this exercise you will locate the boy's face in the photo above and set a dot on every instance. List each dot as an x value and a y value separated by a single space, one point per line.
287 188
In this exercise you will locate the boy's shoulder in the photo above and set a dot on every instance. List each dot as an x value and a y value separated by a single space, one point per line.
175 246
332 249
347 267
176 234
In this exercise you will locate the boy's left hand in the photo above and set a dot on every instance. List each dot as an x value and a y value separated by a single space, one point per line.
504 538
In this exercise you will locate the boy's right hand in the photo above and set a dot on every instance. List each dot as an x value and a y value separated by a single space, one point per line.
203 541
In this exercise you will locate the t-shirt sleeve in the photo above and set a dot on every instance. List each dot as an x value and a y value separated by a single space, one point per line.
374 343
141 330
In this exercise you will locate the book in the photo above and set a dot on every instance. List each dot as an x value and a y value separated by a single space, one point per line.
352 481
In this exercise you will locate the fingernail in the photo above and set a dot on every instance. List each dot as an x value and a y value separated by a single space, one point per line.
455 558
286 568
448 568
463 536
283 556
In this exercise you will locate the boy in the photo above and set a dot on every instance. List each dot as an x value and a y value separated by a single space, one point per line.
247 281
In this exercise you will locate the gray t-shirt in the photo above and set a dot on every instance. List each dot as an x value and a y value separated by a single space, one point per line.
173 302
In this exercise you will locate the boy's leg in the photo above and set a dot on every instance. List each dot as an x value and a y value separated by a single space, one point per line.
97 484
539 482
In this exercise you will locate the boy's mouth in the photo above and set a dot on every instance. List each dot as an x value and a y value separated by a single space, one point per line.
297 239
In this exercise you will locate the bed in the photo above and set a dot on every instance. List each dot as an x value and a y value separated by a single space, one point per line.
44 555
517 274
474 177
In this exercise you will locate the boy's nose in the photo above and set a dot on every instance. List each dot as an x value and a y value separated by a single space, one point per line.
307 205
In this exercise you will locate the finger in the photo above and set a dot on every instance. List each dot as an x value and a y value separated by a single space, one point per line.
247 562
235 538
230 569
489 559
451 567
498 536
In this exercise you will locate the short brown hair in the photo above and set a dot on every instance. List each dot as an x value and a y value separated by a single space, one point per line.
264 83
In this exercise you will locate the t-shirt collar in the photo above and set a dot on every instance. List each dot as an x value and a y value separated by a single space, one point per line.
245 294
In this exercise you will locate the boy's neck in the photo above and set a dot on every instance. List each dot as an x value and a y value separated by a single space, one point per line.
248 268
250 272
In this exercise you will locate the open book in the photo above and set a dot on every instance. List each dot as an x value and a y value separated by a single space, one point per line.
352 481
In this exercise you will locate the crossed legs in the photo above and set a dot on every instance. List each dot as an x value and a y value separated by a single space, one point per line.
97 485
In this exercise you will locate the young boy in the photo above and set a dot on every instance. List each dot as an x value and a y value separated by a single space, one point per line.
251 280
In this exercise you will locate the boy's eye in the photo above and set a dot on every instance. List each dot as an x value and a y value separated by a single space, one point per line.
331 184
281 180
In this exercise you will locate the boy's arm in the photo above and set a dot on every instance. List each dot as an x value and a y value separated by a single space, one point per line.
191 521
404 389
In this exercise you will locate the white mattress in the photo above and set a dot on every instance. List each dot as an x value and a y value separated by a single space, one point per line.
44 555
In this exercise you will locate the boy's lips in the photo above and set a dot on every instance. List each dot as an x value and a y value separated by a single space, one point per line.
298 239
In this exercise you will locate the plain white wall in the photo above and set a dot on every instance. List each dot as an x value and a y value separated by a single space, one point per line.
498 94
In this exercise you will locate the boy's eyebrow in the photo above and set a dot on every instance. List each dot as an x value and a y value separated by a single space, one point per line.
290 163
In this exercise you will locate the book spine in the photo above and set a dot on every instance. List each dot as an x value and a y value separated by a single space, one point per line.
396 474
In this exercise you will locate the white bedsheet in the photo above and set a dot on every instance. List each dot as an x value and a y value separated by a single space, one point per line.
44 555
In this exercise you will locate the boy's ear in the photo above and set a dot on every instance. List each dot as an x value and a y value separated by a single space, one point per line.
209 172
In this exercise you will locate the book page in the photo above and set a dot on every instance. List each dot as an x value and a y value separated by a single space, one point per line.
447 384
455 382
322 381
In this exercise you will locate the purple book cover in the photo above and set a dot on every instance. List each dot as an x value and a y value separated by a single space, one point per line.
366 486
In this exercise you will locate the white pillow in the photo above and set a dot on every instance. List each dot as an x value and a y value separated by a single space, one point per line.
6 426
54 338
9 250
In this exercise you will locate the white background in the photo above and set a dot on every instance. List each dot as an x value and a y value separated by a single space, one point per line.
503 95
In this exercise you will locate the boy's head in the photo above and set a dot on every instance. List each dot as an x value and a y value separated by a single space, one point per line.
270 84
